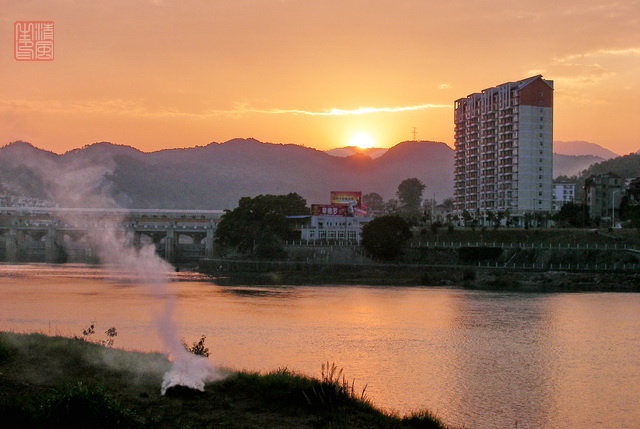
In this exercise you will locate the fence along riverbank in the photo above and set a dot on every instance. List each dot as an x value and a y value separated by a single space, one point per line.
313 257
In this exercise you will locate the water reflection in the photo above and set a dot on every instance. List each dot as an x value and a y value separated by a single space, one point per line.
483 360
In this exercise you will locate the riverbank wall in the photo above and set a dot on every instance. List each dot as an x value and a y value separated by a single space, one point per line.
486 266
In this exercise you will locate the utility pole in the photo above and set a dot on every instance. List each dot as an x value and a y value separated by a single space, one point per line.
613 207
433 209
415 132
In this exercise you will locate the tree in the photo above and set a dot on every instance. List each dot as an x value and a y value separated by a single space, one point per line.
448 204
573 214
630 204
258 226
410 194
374 202
384 236
391 206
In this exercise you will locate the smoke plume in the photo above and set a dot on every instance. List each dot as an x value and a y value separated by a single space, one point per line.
84 183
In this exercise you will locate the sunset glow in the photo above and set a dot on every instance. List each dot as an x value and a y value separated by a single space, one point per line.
362 140
156 74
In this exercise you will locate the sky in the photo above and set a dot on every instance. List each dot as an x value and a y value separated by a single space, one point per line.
157 74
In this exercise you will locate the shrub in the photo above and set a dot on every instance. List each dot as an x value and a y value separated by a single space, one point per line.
468 275
198 348
423 420
384 236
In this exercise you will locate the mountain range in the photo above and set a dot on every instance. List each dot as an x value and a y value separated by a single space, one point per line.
217 175
580 148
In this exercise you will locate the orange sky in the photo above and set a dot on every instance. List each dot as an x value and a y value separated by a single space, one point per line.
156 74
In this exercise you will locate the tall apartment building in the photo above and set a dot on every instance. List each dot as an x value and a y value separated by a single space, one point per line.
504 149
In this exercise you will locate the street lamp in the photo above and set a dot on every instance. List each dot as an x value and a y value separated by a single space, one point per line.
613 207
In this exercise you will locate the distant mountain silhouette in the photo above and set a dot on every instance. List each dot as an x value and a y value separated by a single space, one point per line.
572 165
577 148
216 176
373 152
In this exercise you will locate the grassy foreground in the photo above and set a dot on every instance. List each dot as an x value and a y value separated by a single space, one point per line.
62 382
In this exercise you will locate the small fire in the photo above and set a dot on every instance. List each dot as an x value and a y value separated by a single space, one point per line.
191 371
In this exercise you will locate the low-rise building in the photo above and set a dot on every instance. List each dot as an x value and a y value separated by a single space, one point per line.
603 193
563 193
340 221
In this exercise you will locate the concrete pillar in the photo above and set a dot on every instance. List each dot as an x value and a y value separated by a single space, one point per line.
208 243
170 244
50 246
11 243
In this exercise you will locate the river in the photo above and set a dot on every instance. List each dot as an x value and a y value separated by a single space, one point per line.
478 359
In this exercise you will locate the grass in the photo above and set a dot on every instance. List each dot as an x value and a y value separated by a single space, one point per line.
64 382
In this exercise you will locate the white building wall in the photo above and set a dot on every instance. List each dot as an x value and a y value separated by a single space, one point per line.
563 193
535 158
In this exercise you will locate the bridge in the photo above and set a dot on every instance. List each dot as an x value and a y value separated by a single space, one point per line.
47 234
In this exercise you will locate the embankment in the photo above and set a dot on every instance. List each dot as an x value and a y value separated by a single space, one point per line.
472 266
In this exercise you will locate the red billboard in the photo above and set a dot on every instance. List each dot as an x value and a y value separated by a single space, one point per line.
328 210
350 198
337 210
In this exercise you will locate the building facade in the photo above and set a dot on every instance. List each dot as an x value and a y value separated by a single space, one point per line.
334 228
504 149
603 193
563 193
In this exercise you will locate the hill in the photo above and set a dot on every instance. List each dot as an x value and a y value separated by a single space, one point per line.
627 166
373 152
216 176
572 165
577 148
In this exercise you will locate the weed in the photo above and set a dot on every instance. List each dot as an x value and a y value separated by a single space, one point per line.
334 390
111 333
198 348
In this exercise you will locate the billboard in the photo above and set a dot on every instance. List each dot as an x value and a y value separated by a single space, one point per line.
350 198
337 210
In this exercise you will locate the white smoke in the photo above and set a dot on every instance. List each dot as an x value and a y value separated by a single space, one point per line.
84 183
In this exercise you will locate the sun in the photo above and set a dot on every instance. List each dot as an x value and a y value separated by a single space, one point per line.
362 140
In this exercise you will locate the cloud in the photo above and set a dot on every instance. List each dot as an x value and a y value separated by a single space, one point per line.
590 68
358 111
124 107
600 53
444 86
